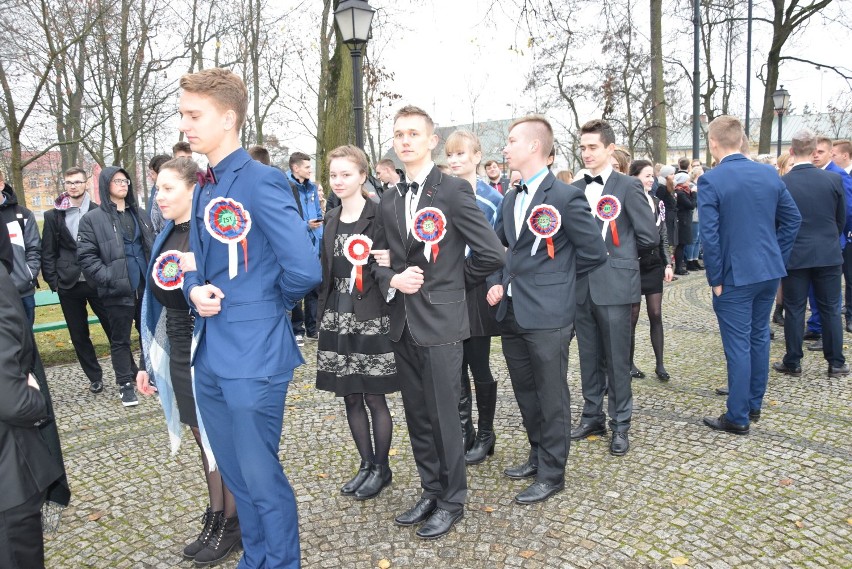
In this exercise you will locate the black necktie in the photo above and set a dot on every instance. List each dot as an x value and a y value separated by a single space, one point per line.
521 188
206 177
412 187
589 179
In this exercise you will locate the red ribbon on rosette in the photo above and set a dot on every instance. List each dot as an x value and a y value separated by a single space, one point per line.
544 221
357 249
608 209
429 227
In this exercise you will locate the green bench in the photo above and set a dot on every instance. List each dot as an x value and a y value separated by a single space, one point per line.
48 298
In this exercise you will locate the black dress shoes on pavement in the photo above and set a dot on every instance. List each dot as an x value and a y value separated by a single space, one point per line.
781 367
538 492
723 424
812 336
525 470
619 445
636 373
418 514
815 346
349 488
439 524
838 371
721 391
754 415
586 430
662 374
849 325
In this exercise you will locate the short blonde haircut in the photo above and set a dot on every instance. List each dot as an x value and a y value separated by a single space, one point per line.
411 110
542 131
461 139
226 88
727 131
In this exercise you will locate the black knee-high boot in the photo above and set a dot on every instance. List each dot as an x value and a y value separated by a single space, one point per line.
486 405
466 412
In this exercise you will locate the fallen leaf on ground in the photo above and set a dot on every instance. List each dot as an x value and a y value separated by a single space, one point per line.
773 402
329 417
592 438
322 475
384 564
487 509
800 524
393 452
678 561
96 515
527 553
849 521
785 482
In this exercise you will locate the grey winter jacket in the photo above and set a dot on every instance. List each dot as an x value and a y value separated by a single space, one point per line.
26 244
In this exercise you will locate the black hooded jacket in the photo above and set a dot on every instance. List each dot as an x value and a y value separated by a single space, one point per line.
100 245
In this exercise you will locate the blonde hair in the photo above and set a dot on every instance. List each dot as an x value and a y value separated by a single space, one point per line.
411 110
457 140
783 164
354 155
542 131
727 131
227 90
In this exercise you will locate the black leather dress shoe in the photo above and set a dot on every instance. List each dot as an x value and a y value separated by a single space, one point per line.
637 373
418 514
815 346
586 430
682 272
538 492
439 524
619 445
721 391
722 424
849 325
662 374
838 371
754 415
812 336
781 367
96 386
363 472
522 471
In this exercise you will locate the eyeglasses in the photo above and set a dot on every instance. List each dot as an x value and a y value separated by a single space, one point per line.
121 181
72 183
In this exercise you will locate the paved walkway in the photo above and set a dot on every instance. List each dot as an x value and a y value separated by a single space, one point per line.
683 496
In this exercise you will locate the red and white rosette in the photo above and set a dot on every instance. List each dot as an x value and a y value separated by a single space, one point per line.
167 274
229 222
429 227
608 209
357 249
544 222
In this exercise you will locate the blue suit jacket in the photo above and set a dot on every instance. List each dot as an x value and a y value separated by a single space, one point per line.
252 336
846 235
748 222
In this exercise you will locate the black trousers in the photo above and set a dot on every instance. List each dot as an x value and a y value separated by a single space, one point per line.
429 380
305 321
121 322
827 283
73 302
847 276
538 366
21 537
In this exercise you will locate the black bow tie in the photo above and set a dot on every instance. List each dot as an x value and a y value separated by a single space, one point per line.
589 179
413 187
521 189
206 177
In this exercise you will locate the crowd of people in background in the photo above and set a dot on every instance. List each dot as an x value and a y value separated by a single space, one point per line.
403 278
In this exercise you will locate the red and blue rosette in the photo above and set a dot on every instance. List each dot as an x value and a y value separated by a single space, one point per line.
608 209
544 221
229 222
357 249
429 227
167 274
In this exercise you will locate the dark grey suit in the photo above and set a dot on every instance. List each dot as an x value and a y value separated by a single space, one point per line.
428 327
536 322
604 299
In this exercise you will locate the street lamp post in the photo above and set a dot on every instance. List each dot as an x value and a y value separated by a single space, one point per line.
781 100
353 19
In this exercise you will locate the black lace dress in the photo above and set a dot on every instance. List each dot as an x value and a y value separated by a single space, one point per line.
352 356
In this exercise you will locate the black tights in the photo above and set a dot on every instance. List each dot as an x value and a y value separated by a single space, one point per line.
359 424
654 303
221 498
477 351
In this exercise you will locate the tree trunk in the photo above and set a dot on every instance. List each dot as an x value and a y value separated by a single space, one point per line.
658 95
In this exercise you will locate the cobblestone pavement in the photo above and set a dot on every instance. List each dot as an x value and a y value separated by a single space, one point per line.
683 496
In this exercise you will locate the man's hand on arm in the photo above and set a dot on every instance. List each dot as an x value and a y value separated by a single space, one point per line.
495 295
408 281
207 300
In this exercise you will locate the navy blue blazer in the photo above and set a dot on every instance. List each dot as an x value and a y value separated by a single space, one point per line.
252 335
747 221
846 235
819 195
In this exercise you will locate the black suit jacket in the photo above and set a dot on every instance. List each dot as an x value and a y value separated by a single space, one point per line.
369 303
821 200
27 466
543 289
59 265
437 313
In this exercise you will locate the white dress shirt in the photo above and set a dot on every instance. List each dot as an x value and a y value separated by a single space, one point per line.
595 190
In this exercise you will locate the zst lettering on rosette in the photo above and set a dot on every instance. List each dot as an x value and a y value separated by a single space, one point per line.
608 209
429 228
167 274
544 222
357 249
229 222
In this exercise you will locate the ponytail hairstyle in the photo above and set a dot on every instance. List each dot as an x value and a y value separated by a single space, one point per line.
186 169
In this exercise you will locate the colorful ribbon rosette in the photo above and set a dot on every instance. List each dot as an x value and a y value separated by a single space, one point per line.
167 274
429 228
608 209
544 221
229 222
357 249
662 213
